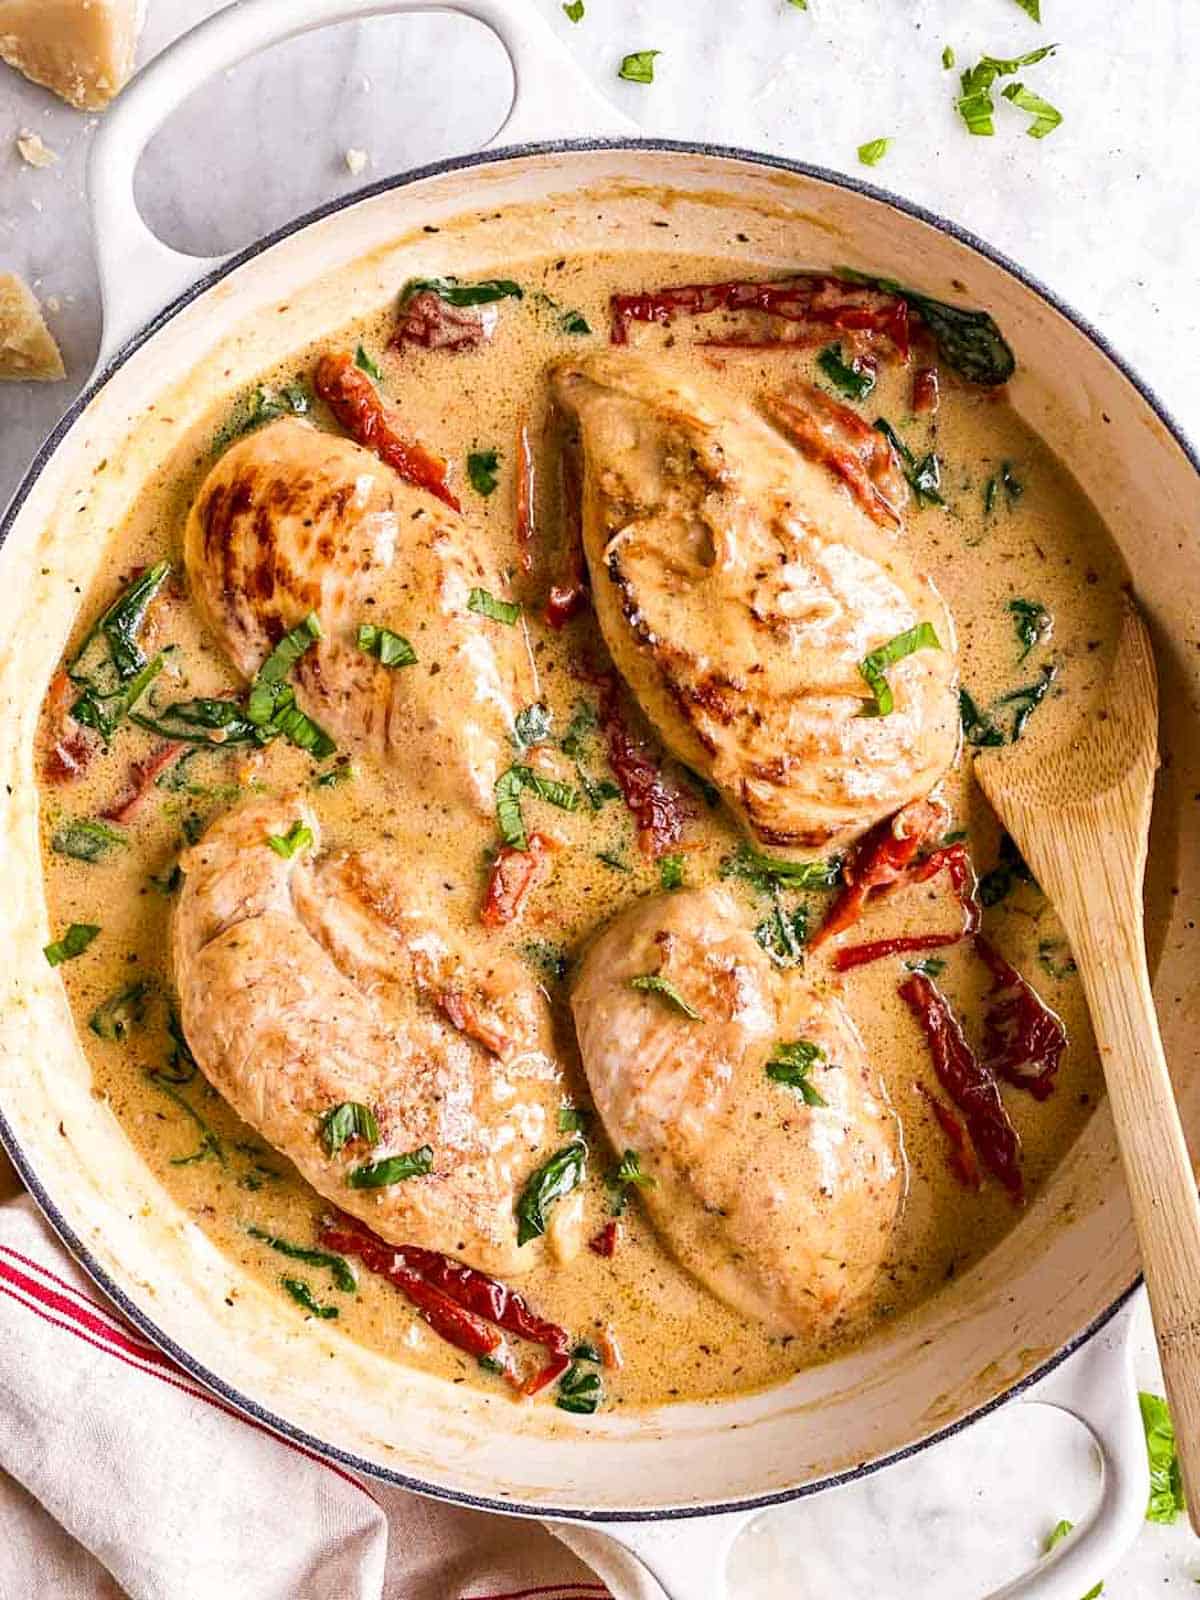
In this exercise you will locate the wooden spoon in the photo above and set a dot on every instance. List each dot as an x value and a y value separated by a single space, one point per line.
1080 815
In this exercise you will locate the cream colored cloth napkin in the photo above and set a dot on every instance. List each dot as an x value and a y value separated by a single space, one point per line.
121 1476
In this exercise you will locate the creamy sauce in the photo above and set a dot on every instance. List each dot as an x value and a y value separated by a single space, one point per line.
1046 545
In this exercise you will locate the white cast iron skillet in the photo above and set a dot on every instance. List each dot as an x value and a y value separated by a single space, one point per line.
1058 1280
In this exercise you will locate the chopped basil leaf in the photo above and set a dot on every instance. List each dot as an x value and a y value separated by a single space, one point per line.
210 1144
490 1363
573 10
266 404
969 342
1054 956
455 293
923 475
288 651
558 1177
638 67
1032 622
597 793
335 776
626 1175
1027 699
167 882
343 1276
202 721
531 726
955 836
121 1012
390 649
1057 1534
550 959
1166 1480
576 740
392 1169
298 837
181 1063
800 5
1032 8
948 57
872 667
109 667
483 469
304 1297
508 790
1010 870
1013 487
579 1391
73 943
1045 116
784 933
486 604
764 872
791 1064
611 859
853 381
364 361
929 966
271 704
575 322
573 1119
670 872
348 1121
551 790
978 728
655 983
86 838
873 152
975 104
586 1352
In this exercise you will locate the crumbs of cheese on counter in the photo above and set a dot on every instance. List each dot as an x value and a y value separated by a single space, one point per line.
33 149
356 160
27 347
81 49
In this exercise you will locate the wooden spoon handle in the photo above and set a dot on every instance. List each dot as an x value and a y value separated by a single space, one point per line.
1158 1172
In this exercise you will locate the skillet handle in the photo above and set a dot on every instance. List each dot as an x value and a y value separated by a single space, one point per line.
139 274
688 1556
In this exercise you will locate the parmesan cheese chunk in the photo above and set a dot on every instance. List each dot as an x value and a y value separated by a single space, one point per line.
33 149
27 347
82 49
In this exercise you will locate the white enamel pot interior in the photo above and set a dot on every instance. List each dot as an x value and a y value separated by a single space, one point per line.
1058 1277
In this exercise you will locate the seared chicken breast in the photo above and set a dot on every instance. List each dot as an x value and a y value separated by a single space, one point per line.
292 520
782 1207
306 983
740 577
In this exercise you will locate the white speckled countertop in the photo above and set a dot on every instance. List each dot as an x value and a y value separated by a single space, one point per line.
1103 212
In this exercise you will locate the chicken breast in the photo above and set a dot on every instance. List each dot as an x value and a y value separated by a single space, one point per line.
741 577
784 1209
291 520
307 983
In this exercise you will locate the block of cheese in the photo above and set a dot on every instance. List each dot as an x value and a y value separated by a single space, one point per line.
27 347
82 49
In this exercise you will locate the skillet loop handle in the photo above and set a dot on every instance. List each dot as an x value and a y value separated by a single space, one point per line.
139 275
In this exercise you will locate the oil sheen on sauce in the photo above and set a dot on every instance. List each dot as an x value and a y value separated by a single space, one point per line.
1040 541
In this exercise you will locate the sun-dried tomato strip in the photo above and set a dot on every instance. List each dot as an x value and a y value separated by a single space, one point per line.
881 859
960 1152
970 1086
659 809
957 862
512 876
142 778
428 321
553 1369
524 506
604 1243
73 745
830 302
925 391
1023 1040
367 418
453 1322
569 589
831 434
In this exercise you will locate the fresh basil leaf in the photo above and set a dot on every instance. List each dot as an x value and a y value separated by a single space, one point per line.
201 721
110 654
364 362
611 859
978 727
483 469
579 1391
969 342
670 872
655 983
278 665
576 741
573 10
348 1121
948 57
335 776
924 475
298 837
573 1119
873 152
1055 958
975 105
1031 8
928 966
531 726
558 1177
455 293
292 400
874 665
784 933
766 872
389 649
1032 622
120 1013
1009 871
598 794
574 322
491 1363
626 1175
638 67
1166 1479
73 943
1045 116
210 1144
392 1169
304 1297
167 883
338 1266
853 381
181 1066
791 1064
584 1351
509 817
1027 699
486 605
86 838
1057 1534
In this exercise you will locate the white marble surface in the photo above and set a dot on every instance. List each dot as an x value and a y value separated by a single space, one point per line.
1103 211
